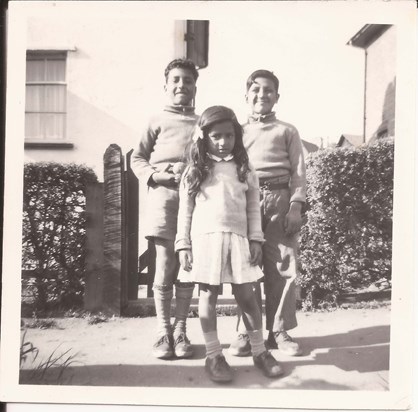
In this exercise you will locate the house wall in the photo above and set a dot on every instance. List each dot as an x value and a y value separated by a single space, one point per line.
115 76
111 85
381 84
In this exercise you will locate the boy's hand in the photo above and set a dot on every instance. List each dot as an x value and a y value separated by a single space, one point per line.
256 253
293 219
166 177
186 259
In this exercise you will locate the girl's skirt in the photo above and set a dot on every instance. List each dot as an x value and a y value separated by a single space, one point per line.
221 257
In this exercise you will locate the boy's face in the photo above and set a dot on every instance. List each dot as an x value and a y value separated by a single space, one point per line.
180 87
262 96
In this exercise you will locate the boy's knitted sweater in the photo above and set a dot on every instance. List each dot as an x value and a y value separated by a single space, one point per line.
223 204
275 149
163 141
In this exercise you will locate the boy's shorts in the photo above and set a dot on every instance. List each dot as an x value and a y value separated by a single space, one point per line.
161 213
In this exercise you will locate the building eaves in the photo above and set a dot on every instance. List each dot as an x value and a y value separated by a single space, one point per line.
367 35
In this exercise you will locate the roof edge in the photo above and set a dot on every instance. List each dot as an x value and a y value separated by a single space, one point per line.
367 35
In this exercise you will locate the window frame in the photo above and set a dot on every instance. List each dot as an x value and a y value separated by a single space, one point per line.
39 142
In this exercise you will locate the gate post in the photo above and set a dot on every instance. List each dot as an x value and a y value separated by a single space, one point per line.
114 284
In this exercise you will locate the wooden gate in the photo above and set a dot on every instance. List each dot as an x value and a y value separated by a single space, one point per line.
114 269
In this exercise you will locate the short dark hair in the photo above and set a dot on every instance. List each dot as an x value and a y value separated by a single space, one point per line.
263 73
181 64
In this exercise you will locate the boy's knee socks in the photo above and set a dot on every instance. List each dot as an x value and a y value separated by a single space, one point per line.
184 294
162 300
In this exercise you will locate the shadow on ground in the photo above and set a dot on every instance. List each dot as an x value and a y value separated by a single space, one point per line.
179 376
362 350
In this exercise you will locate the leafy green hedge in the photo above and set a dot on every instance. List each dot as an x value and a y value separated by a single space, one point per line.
54 229
347 238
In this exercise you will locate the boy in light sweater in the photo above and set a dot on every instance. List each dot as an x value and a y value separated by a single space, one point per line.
161 145
275 150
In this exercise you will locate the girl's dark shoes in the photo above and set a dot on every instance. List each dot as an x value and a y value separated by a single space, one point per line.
218 369
268 365
283 342
163 348
182 346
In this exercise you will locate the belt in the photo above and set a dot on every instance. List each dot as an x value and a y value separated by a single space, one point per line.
274 185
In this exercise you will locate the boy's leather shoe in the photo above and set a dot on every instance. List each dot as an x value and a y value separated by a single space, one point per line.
182 346
218 369
241 346
163 348
268 364
283 342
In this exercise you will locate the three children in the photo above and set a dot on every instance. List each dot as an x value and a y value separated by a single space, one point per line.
219 227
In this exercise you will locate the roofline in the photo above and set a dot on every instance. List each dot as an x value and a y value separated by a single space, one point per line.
367 35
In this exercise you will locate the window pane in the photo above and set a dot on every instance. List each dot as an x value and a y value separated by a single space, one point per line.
44 126
35 70
35 96
55 98
45 98
53 126
33 125
55 70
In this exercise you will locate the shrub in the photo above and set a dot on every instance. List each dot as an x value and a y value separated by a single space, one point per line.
347 238
54 229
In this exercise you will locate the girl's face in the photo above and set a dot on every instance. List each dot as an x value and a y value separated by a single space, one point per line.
221 139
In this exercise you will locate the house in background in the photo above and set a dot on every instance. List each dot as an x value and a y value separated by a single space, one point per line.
83 93
308 147
349 140
379 44
99 77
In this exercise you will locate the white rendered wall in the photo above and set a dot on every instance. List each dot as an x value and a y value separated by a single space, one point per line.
115 77
380 90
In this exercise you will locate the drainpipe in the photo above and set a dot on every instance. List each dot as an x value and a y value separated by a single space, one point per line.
365 96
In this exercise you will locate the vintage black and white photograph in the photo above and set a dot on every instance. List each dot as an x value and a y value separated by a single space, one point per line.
137 271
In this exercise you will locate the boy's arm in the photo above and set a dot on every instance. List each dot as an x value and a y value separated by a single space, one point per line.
184 219
297 167
140 157
255 232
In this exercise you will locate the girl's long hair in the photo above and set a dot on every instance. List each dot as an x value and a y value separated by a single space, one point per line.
199 163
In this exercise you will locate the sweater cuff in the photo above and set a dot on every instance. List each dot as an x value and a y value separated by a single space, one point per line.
298 197
256 238
181 244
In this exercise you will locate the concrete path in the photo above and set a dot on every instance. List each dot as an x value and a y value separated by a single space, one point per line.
343 350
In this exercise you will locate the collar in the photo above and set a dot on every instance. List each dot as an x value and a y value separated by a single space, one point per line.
179 109
262 118
219 159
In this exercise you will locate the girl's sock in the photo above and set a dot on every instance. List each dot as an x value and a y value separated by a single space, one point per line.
257 342
213 346
184 293
162 300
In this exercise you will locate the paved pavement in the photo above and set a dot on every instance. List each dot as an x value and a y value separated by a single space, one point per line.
343 350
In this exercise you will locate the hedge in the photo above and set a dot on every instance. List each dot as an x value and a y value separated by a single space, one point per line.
346 241
54 230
